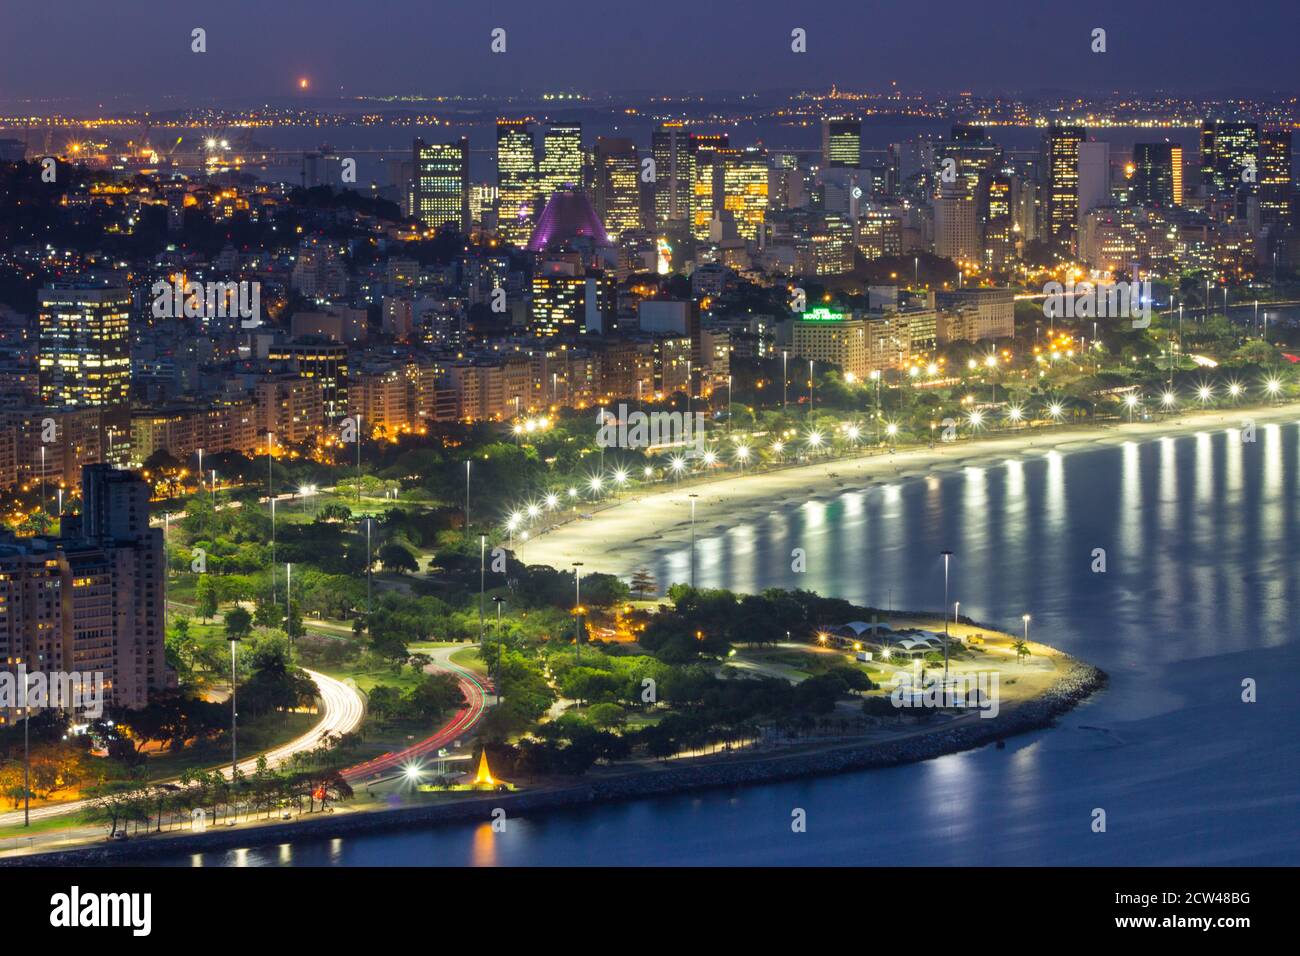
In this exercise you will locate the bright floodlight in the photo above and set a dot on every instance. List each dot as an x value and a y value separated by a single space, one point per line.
1168 399
1204 393
932 369
513 523
977 418
620 476
1130 399
413 771
677 463
534 511
991 361
815 439
710 458
552 500
595 483
1055 409
891 429
743 453
573 492
648 471
778 446
1273 386
854 432
1014 413
1234 389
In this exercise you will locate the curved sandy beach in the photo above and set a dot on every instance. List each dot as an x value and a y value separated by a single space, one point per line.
624 535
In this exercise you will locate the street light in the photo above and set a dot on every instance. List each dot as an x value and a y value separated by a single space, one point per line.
947 555
1025 618
496 676
577 610
234 712
693 497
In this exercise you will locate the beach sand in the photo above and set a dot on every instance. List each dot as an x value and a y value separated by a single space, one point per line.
624 535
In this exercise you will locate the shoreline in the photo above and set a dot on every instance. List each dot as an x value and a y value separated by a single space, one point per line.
1078 682
660 522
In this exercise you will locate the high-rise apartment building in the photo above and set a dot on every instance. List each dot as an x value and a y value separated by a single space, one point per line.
85 349
92 601
440 184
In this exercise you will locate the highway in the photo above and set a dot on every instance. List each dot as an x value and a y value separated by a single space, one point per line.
342 709
461 723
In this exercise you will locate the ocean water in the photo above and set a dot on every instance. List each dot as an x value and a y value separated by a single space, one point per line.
1202 544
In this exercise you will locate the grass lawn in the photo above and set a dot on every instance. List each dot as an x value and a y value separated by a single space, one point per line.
469 659
367 678
46 825
255 735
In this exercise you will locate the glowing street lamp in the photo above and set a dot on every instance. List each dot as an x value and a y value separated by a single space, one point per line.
1131 401
1205 393
1055 410
1273 387
552 500
1168 399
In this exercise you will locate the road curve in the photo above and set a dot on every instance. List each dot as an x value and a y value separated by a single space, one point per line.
461 723
342 710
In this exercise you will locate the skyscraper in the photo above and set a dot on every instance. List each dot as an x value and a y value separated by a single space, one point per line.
674 174
440 184
1275 178
517 180
85 349
1061 164
1153 174
706 189
561 166
841 142
617 192
744 188
1229 152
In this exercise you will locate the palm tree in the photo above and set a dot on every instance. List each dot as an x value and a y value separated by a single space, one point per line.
1022 650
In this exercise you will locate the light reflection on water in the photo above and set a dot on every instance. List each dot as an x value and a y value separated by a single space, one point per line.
1200 535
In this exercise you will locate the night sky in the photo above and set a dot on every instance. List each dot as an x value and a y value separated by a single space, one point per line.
137 51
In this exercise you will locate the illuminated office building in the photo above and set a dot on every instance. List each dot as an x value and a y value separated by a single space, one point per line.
841 142
517 180
1153 174
1229 152
85 349
561 165
744 189
1061 161
1275 178
618 190
706 189
674 183
440 185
